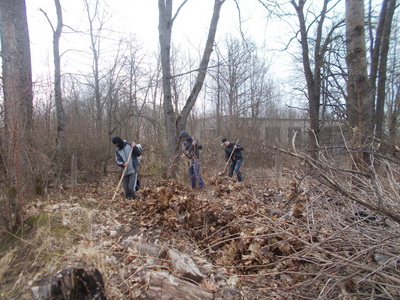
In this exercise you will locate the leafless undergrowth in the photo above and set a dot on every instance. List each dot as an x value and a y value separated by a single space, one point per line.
349 226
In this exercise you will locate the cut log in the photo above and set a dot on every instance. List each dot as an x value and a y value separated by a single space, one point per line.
73 283
184 266
164 286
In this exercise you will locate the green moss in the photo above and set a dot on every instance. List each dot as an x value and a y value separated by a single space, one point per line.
38 219
7 242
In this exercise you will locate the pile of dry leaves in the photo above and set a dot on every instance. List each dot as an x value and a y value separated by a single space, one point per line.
264 241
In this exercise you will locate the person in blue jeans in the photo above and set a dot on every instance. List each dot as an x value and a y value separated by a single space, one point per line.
236 157
191 147
122 154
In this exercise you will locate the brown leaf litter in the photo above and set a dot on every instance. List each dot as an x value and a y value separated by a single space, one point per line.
249 240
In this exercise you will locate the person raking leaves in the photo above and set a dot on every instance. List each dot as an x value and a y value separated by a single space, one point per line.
234 158
191 149
126 155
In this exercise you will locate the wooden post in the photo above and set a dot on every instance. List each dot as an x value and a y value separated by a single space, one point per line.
74 171
277 166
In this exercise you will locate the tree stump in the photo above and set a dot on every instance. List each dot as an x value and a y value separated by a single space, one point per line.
72 283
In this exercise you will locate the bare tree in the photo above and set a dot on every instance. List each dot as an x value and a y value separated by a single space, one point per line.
175 123
314 49
18 106
312 71
57 31
394 115
239 85
360 96
216 87
97 19
379 58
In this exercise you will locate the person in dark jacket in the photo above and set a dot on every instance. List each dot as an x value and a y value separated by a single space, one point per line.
130 180
191 147
236 159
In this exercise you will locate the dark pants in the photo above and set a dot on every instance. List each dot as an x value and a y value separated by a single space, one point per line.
234 166
194 173
130 186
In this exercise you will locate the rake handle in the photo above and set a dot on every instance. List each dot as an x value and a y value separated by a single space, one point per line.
230 156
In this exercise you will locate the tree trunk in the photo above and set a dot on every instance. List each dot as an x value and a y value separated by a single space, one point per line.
394 114
95 48
173 123
313 76
312 79
18 104
359 100
382 70
57 85
190 102
165 31
375 45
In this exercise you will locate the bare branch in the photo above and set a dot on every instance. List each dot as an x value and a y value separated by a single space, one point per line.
178 10
48 20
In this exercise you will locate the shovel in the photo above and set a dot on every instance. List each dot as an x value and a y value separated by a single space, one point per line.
123 174
230 156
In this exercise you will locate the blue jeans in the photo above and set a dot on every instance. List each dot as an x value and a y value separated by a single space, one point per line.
194 173
234 166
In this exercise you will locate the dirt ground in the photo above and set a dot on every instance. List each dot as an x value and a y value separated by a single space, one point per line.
259 239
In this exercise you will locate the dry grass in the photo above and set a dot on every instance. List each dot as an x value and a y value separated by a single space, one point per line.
54 235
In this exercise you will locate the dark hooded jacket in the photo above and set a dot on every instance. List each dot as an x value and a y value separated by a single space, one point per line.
122 154
237 154
190 151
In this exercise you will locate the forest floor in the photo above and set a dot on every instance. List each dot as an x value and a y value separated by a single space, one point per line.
260 239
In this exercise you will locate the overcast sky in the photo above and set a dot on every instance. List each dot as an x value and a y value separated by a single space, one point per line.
140 17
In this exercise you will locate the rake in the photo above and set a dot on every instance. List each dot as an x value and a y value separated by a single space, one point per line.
123 174
229 159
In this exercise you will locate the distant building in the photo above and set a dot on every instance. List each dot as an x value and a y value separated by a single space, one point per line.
274 131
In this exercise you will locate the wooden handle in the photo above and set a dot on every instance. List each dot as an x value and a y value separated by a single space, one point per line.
230 156
123 174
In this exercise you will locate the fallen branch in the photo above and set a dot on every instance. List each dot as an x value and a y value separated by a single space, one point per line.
321 175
